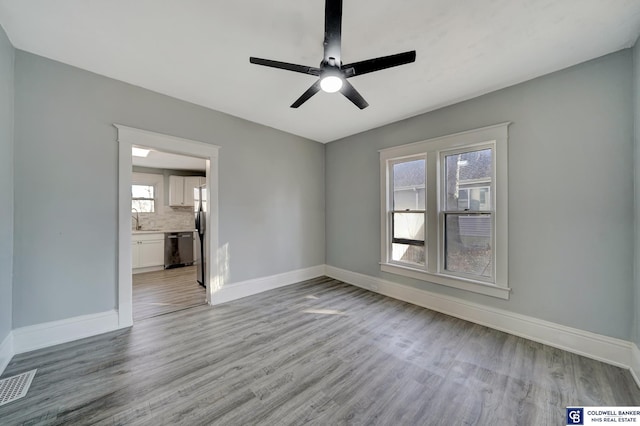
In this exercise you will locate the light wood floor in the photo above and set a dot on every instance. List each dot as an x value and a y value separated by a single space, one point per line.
319 352
160 292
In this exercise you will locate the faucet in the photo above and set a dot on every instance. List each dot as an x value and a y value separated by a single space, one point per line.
137 218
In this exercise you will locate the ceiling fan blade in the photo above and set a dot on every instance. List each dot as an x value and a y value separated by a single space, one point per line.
377 64
285 66
315 88
352 94
332 31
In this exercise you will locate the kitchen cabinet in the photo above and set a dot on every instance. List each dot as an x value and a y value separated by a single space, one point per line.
147 250
181 190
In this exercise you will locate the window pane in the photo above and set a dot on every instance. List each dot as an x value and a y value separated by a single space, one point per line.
408 253
463 199
408 185
143 206
142 191
468 180
408 226
468 247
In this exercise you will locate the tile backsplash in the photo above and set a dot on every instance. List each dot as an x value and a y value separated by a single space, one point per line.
172 218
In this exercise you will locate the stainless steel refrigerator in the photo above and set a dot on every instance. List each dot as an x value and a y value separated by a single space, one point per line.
200 205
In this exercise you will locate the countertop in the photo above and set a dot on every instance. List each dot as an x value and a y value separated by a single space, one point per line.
161 231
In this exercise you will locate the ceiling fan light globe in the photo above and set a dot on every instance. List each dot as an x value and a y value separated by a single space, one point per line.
331 84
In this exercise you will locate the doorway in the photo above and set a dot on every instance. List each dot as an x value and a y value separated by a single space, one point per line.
166 191
127 138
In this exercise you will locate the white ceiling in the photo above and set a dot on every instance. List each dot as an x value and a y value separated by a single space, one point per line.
165 160
198 50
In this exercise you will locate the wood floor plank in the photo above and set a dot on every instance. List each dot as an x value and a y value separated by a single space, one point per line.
169 290
319 352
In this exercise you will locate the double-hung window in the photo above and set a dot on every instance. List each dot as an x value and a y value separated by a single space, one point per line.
444 210
143 199
147 192
467 212
408 210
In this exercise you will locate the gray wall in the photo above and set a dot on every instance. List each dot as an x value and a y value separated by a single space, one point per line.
636 122
6 182
271 188
570 193
571 190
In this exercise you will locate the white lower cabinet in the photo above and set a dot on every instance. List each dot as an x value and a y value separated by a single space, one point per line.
147 250
135 253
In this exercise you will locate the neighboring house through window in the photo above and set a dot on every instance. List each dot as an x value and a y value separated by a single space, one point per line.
444 210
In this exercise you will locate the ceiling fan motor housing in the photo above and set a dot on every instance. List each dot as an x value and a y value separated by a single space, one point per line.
332 75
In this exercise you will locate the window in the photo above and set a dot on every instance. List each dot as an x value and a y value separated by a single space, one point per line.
147 193
142 198
408 214
444 210
467 212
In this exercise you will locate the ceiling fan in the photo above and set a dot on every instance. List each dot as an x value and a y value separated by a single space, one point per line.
332 73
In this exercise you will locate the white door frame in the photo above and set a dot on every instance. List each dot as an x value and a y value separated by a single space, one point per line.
127 137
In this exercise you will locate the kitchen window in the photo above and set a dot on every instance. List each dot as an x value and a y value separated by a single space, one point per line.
147 193
142 198
444 210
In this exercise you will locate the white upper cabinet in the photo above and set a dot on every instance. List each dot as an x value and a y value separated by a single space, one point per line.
190 183
176 190
181 189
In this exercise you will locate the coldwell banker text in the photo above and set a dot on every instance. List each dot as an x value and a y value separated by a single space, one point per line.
619 416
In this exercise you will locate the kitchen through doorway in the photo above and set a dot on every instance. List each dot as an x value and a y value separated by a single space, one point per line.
166 246
127 138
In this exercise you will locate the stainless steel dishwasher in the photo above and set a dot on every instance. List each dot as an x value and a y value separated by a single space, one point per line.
178 249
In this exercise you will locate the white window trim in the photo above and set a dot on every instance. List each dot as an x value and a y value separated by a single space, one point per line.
155 180
497 135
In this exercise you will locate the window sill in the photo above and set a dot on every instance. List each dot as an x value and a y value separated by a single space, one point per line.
449 281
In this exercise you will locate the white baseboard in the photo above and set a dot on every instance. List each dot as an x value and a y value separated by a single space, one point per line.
135 271
602 348
6 351
40 336
635 363
242 289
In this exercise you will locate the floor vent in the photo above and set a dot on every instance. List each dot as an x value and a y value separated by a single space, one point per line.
15 387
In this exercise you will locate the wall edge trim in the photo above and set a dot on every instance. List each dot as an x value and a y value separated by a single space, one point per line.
234 291
52 333
634 368
6 352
